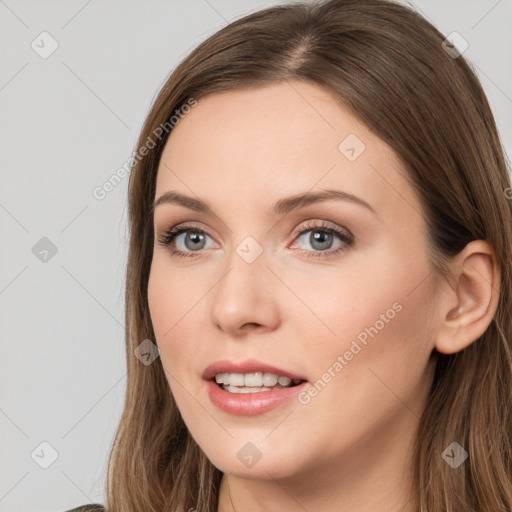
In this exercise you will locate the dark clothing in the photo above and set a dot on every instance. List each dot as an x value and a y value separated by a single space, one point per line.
93 507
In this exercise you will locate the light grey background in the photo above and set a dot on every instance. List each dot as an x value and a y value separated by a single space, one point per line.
69 121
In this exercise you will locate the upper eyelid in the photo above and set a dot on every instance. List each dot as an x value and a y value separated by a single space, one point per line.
319 224
315 223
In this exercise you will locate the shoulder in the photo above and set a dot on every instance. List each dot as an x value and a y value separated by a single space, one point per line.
92 507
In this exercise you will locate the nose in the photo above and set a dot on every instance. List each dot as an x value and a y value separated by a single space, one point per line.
243 299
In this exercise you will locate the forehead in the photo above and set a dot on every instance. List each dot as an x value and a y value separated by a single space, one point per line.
255 145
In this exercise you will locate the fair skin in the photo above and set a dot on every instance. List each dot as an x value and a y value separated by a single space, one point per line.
349 447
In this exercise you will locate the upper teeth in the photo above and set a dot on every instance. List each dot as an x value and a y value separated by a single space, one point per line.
256 379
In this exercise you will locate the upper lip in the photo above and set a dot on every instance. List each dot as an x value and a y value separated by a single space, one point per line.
247 366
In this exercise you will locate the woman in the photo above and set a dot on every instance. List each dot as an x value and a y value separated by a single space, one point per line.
321 231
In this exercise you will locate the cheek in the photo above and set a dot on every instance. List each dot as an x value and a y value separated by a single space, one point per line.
378 360
174 294
171 324
160 302
173 309
372 384
374 316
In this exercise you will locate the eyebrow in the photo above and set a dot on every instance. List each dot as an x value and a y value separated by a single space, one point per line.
281 207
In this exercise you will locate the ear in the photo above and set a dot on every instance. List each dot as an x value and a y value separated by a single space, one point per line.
468 305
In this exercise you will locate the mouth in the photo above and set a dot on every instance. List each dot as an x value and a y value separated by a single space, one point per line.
251 387
254 382
263 392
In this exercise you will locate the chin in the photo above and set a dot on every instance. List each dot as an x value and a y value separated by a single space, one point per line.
251 460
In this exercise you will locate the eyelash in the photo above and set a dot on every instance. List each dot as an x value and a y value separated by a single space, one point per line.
348 240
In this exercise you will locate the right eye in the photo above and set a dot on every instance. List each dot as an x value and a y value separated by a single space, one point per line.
191 238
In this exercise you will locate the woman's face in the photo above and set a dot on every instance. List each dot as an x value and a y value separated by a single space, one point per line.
333 291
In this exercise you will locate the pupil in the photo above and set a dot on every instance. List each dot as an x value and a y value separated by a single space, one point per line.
320 237
195 237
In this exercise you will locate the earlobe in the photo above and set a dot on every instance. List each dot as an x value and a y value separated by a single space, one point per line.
472 301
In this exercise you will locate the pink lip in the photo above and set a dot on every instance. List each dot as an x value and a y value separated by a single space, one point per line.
248 366
251 404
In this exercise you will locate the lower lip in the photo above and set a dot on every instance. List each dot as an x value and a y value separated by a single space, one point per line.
251 404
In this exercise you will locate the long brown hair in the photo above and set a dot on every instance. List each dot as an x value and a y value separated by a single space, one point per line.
387 64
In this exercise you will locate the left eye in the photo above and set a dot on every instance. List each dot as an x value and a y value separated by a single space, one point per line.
321 238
